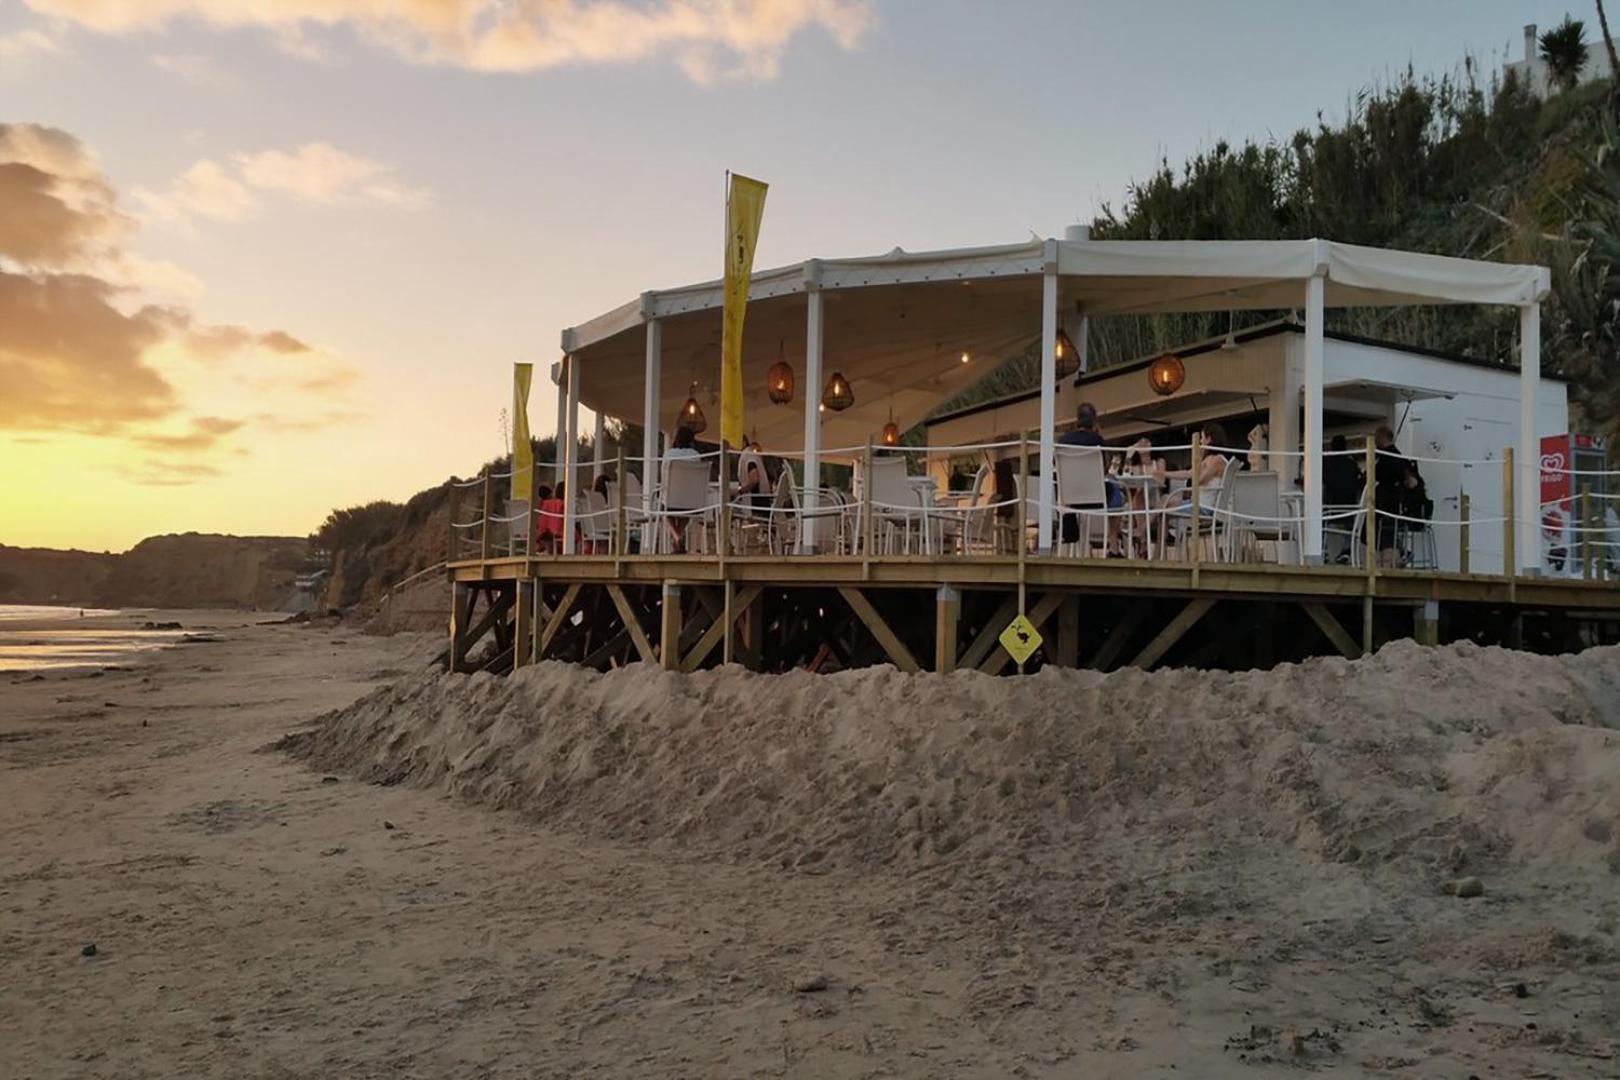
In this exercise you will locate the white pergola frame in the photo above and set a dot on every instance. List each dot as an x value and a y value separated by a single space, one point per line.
1080 278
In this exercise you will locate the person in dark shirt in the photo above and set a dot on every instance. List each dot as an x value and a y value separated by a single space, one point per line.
1341 486
1085 433
1389 473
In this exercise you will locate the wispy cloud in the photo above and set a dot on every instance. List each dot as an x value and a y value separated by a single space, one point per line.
27 44
194 69
706 37
321 173
317 173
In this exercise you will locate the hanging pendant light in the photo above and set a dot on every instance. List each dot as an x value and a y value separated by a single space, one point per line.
1166 374
891 430
1066 356
839 395
779 380
692 413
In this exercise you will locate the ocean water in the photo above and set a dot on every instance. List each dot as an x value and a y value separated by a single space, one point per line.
38 638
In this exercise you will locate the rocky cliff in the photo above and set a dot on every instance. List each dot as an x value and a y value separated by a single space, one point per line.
189 570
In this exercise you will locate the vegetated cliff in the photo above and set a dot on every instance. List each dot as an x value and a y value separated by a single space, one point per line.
375 547
187 570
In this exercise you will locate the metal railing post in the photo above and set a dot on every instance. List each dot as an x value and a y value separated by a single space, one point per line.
483 533
1509 561
1465 547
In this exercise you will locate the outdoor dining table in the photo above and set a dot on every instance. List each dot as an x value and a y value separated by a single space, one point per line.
1144 483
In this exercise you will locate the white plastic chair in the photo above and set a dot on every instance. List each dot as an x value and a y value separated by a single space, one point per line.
1215 511
1256 514
1081 483
892 500
686 496
596 520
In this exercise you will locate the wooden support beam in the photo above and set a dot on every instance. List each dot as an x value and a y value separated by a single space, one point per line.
947 616
752 645
1066 653
1426 623
496 611
988 638
669 627
555 623
1038 615
523 632
1119 637
896 649
711 637
729 614
1332 629
1185 619
632 623
462 598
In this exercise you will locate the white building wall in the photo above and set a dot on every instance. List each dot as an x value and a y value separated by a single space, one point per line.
1474 422
1532 69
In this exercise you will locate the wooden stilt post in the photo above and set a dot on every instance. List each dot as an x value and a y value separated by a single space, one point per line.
947 616
1426 623
523 620
669 628
729 636
1067 650
458 624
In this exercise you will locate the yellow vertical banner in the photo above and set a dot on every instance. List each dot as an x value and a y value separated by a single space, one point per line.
745 206
522 449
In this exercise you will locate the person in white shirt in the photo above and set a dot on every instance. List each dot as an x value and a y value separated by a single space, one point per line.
753 481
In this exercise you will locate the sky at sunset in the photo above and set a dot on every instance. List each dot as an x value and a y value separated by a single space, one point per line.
259 259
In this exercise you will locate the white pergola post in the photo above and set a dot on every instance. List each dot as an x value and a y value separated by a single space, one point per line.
650 451
598 446
1527 484
1311 467
571 453
559 378
1049 292
812 406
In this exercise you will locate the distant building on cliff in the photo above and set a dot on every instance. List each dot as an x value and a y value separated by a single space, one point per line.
1535 74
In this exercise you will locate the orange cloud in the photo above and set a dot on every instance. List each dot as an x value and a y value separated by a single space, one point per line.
526 35
83 347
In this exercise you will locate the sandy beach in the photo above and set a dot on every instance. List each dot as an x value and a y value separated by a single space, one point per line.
476 894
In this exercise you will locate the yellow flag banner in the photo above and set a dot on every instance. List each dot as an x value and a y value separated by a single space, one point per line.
745 205
522 449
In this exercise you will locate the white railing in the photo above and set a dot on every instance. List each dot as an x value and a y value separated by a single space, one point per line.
1194 513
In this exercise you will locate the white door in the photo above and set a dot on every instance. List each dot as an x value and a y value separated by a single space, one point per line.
1482 444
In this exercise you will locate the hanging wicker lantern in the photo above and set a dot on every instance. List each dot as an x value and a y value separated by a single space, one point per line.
838 396
692 414
1066 356
779 382
891 431
1166 374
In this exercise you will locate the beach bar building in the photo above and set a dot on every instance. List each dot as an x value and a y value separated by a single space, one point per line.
841 355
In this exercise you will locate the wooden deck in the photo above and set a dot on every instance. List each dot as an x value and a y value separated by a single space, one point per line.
774 613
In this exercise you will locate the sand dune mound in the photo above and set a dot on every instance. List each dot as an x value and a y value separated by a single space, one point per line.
1439 760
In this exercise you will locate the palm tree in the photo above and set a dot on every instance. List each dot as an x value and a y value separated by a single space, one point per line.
1564 49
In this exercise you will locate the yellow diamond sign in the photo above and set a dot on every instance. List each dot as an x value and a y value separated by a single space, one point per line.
1020 639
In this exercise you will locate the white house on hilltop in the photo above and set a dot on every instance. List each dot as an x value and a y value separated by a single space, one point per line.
1533 70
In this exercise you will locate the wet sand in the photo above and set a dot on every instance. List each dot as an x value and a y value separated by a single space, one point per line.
254 918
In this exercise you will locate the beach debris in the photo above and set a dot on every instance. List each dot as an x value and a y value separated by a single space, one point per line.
389 824
329 852
329 779
149 625
810 982
88 950
1520 990
1465 887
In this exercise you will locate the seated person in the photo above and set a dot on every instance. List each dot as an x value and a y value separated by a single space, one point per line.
1211 468
682 447
753 480
1342 485
549 530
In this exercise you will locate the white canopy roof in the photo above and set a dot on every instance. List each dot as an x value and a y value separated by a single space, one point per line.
897 325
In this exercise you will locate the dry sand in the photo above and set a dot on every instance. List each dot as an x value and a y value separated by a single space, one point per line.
564 874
